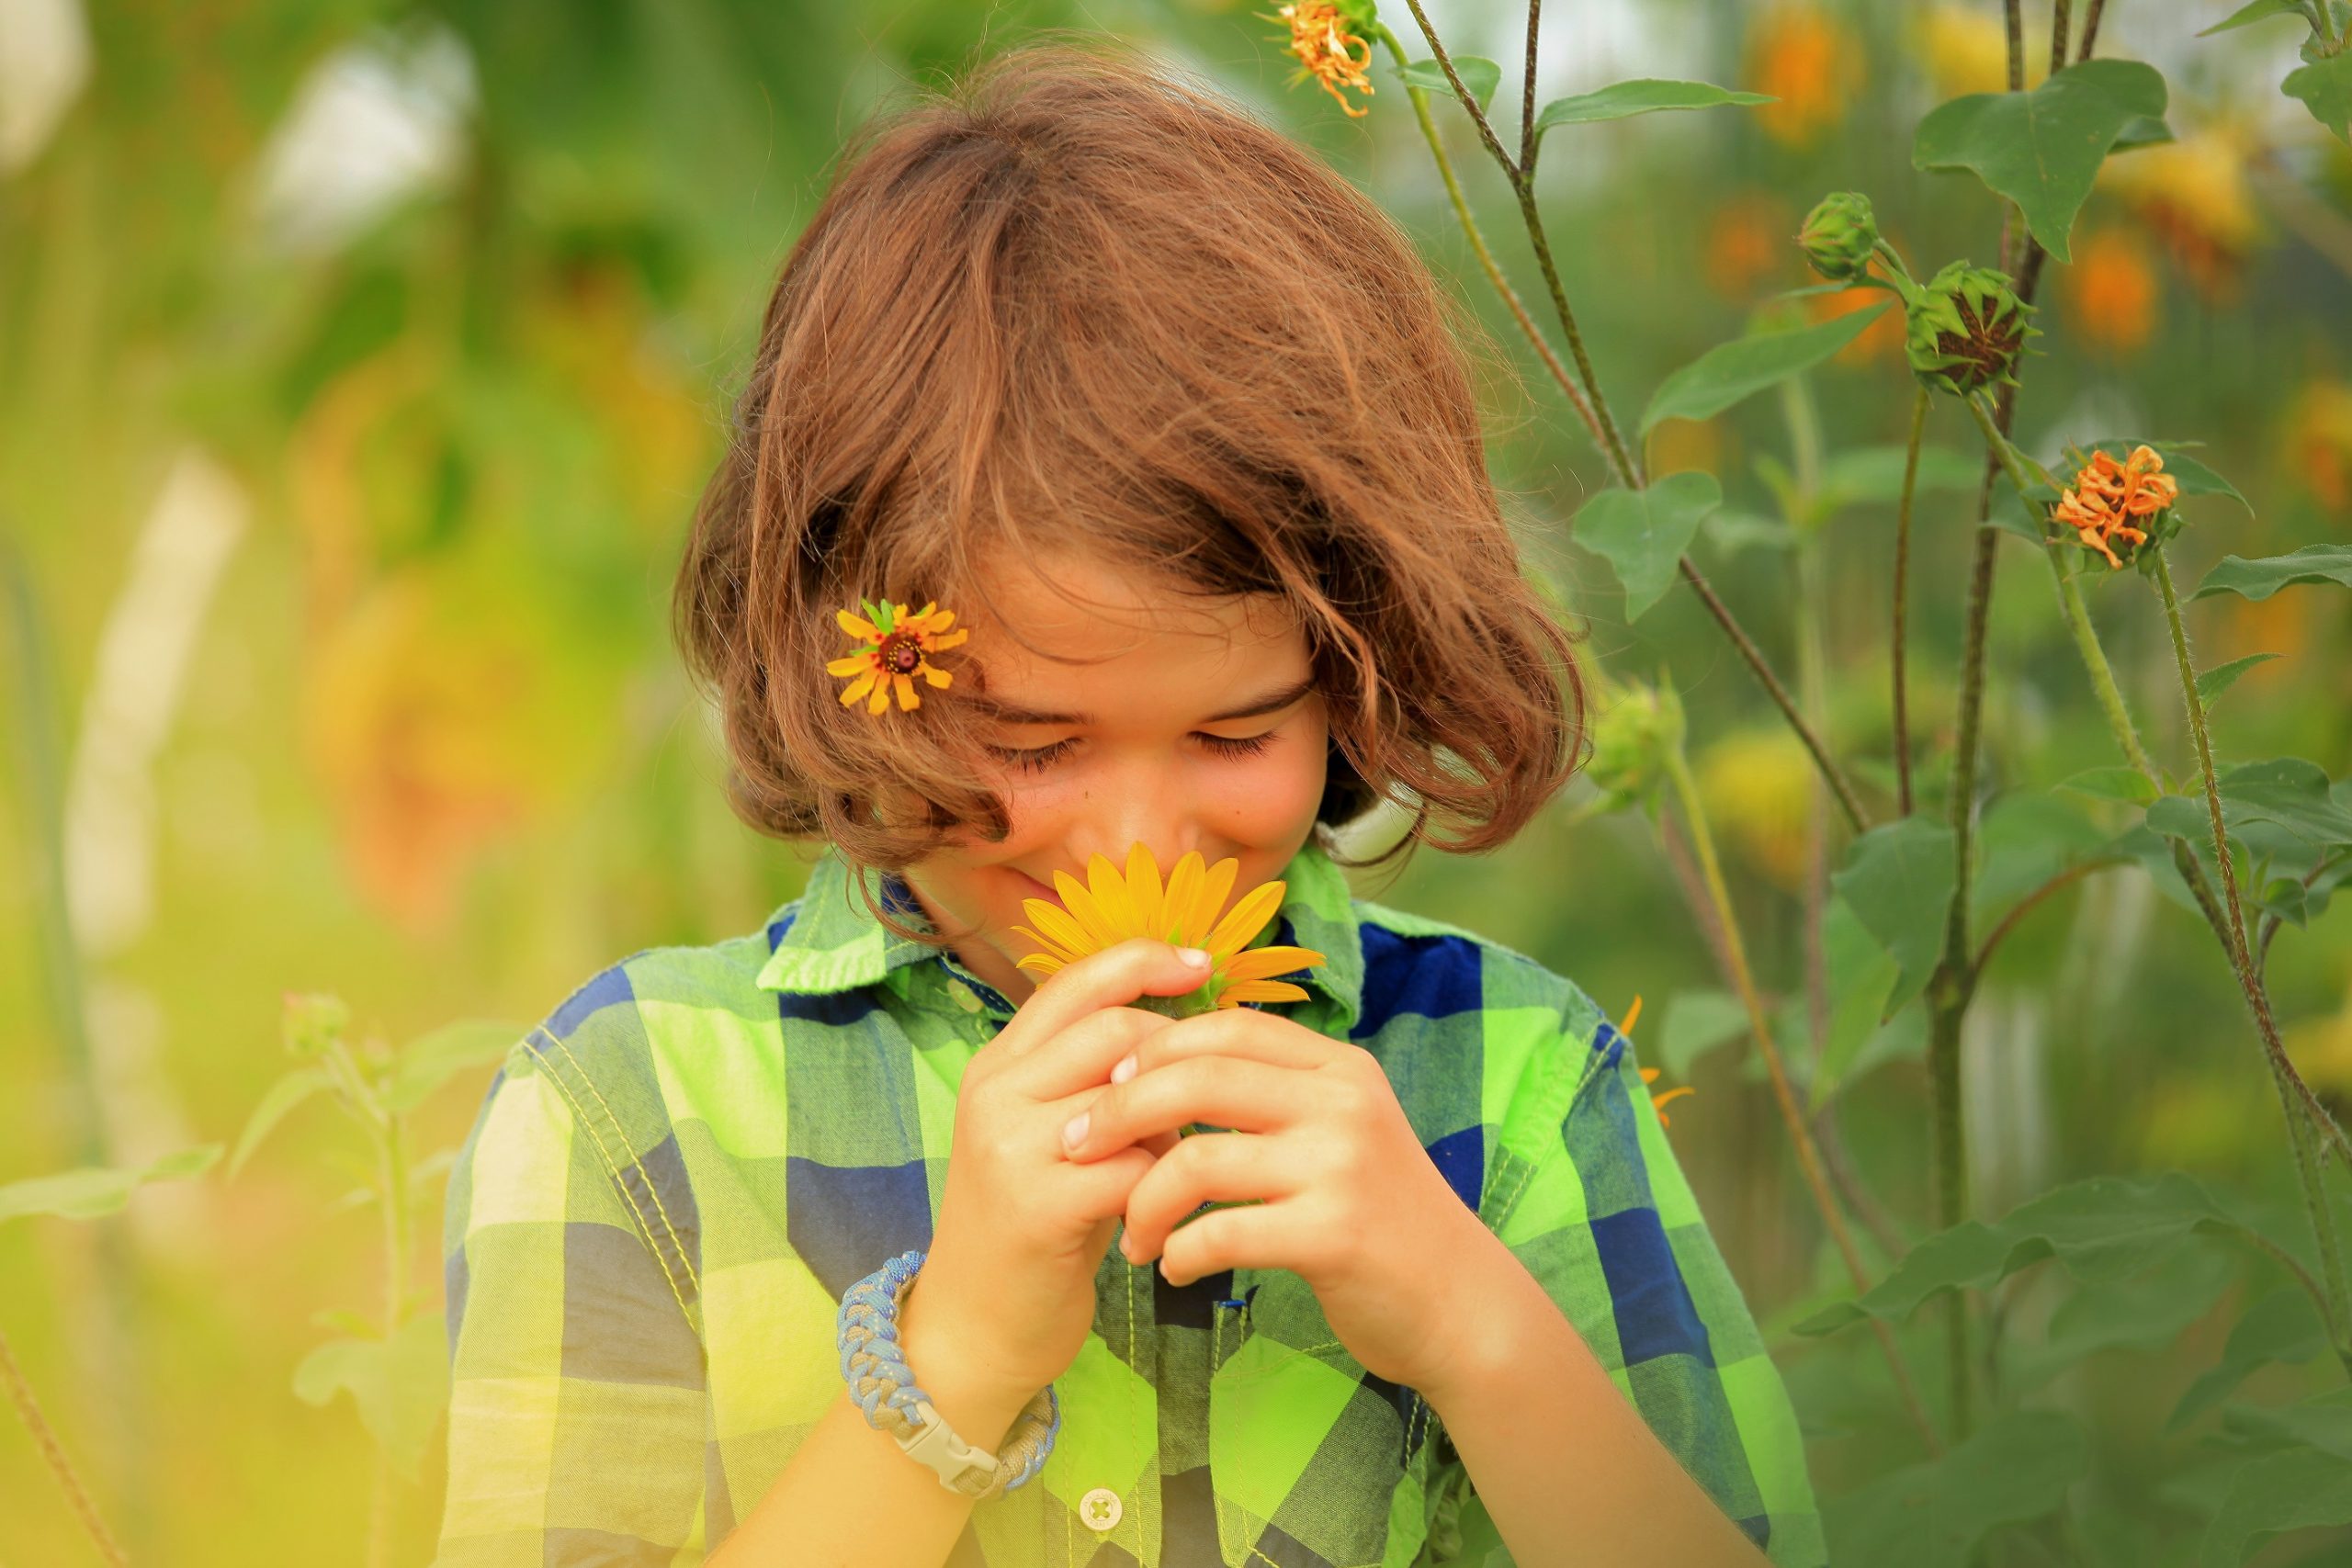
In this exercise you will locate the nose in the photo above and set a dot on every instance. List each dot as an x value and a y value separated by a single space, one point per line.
1145 802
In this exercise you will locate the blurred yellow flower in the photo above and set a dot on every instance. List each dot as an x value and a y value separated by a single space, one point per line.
1757 786
2193 192
1108 909
1966 49
1882 339
2110 294
1807 60
2318 433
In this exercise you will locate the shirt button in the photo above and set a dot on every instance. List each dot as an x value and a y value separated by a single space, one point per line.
965 997
1100 1508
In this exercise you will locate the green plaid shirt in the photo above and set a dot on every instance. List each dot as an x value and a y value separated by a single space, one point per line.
673 1182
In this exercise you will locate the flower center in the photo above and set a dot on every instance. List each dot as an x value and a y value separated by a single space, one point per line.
901 653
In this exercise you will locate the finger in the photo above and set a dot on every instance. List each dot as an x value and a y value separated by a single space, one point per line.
1255 1037
1097 1192
1139 966
1080 1058
1257 1236
1210 1167
1249 1096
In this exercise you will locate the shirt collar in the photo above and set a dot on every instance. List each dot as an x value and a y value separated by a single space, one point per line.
827 939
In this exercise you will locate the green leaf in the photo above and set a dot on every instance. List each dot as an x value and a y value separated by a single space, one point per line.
2324 87
2297 1489
2015 1467
93 1191
2042 149
2212 683
1480 75
2282 1326
1860 974
1643 533
2258 11
437 1055
276 1100
2261 579
2286 792
1696 1023
1872 476
2106 1227
1646 96
1731 531
2026 839
2128 785
401 1384
1730 371
2142 131
1898 877
2146 1312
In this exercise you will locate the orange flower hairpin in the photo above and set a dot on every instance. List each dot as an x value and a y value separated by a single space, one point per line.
897 649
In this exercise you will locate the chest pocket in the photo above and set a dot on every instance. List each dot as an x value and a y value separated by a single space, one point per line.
1306 1448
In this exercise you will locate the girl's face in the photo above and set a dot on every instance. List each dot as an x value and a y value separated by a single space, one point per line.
1197 727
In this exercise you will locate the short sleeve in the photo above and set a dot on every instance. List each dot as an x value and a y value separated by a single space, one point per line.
577 1409
1588 1194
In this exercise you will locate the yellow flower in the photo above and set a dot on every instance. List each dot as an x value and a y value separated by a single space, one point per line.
897 651
2195 194
1322 41
1649 1074
1111 910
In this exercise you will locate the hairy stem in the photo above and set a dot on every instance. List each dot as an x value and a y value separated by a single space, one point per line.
20 1393
2308 1165
1703 845
1902 596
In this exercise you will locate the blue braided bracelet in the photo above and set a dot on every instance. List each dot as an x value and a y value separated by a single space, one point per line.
876 1371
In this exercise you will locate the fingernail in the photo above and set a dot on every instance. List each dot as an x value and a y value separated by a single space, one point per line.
1125 1070
1075 1133
1197 957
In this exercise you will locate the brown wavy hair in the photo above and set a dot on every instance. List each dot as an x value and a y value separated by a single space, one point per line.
1072 301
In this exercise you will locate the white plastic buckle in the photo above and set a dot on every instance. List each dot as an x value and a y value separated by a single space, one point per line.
955 1460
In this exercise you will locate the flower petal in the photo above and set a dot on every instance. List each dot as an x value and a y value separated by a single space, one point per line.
1265 963
1259 991
1110 896
1039 963
1245 919
1143 888
860 686
1084 910
936 677
857 625
880 699
1211 898
1059 928
1182 891
907 698
952 639
850 664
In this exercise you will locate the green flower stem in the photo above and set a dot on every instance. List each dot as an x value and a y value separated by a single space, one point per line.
2300 1127
1734 953
1901 595
20 1393
1592 409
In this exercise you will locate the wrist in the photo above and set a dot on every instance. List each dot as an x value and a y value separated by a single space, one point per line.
1502 1313
954 1375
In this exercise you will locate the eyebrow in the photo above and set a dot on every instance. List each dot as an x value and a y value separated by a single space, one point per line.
1013 713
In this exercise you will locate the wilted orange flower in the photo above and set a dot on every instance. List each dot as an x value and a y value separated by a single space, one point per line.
1108 909
2110 291
1650 1074
1810 63
1321 43
897 645
2109 496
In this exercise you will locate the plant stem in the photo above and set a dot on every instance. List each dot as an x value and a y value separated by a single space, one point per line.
1587 398
2308 1167
1703 845
20 1393
1902 594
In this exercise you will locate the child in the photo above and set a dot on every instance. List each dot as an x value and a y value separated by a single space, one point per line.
1177 429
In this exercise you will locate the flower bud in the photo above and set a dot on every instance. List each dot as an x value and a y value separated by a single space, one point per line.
1966 329
1635 730
1839 235
310 1021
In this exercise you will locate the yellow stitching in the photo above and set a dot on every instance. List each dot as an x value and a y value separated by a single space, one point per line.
580 1119
639 1165
1131 1406
1592 1069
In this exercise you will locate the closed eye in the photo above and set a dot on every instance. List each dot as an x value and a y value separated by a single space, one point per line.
1036 760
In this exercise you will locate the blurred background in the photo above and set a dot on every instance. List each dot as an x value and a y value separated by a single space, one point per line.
360 363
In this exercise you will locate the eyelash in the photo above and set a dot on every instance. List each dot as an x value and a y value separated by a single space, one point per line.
1044 757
